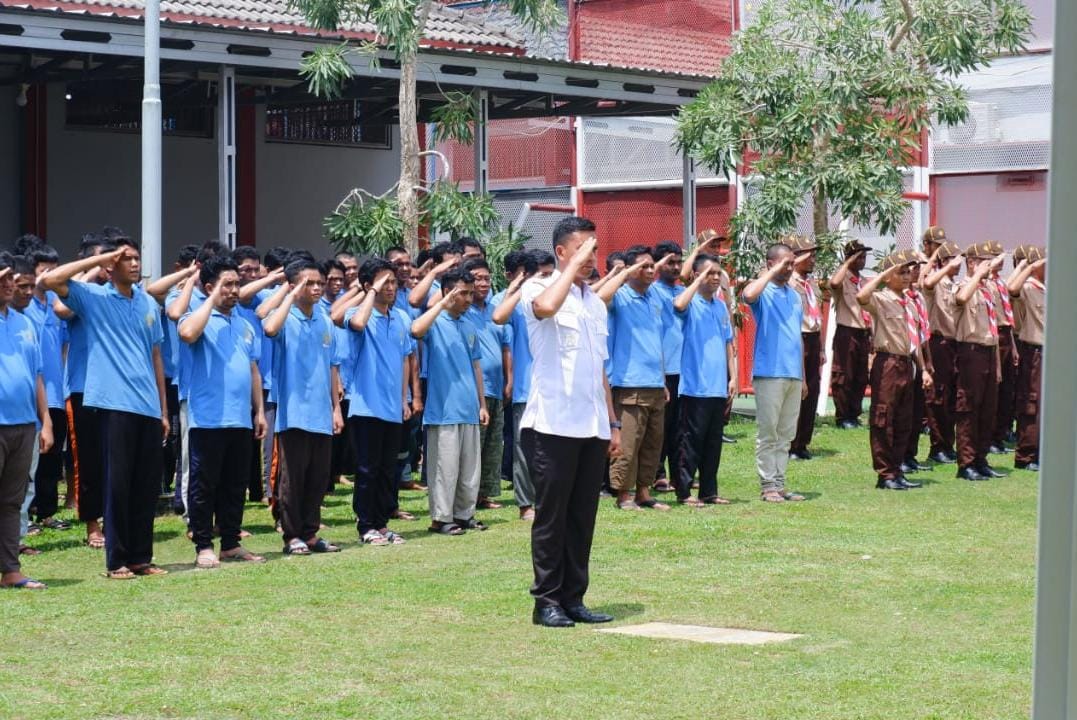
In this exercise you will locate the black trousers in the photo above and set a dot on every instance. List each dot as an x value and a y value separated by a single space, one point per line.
84 436
302 466
567 473
219 476
806 420
702 424
374 496
131 450
671 438
507 438
50 468
172 455
343 458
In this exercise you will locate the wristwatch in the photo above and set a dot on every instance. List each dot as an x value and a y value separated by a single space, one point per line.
615 425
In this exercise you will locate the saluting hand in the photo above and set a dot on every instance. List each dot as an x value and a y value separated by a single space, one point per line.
109 259
380 282
4 272
298 287
585 253
516 284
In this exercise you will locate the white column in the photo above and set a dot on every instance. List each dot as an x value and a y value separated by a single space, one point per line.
482 141
688 204
151 143
1054 686
226 156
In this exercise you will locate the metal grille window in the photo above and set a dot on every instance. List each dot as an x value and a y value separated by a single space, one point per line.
324 123
632 152
528 153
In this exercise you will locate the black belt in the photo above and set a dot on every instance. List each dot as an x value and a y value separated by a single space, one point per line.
896 356
977 347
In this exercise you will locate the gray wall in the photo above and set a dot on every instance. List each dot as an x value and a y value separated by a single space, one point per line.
10 171
94 180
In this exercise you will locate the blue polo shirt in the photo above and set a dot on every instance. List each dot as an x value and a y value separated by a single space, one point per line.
50 329
636 328
20 364
451 396
492 339
121 334
672 327
402 303
220 372
778 345
521 352
265 359
181 355
378 371
169 351
303 383
707 331
78 352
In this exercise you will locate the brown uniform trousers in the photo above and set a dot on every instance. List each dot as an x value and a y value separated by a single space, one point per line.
849 373
891 413
976 403
912 445
1007 388
1028 403
942 395
806 420
641 412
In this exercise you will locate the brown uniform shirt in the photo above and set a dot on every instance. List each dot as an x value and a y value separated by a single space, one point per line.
810 322
848 310
942 309
1033 306
973 325
891 324
1000 311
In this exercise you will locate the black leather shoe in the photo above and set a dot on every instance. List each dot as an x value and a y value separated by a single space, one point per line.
581 614
941 458
908 484
552 616
918 466
988 471
889 485
800 455
848 425
1033 466
969 473
728 440
998 450
907 467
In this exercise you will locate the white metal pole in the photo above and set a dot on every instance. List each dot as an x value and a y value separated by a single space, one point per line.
151 143
226 155
1054 684
688 202
482 141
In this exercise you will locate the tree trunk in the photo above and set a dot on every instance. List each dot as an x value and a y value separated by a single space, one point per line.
820 217
409 156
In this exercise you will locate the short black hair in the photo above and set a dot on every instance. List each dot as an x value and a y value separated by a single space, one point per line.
212 268
276 258
298 265
570 225
44 254
776 249
344 254
187 255
211 249
246 252
5 259
21 265
333 264
516 259
371 267
466 242
666 247
543 258
439 251
632 254
396 250
89 242
475 264
422 257
26 244
303 254
702 259
612 258
453 277
115 243
115 234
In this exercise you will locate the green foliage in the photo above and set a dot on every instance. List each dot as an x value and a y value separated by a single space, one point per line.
497 246
448 210
454 120
326 70
366 228
827 99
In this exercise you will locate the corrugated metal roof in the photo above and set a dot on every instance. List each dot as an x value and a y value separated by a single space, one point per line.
446 26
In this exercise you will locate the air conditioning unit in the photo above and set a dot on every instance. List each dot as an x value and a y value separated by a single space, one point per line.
983 126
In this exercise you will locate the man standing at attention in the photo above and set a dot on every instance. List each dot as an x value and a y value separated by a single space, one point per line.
805 283
569 427
852 339
777 370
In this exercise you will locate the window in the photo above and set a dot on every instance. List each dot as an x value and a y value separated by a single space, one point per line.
116 106
338 122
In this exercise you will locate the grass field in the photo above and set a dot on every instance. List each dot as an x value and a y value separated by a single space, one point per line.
912 605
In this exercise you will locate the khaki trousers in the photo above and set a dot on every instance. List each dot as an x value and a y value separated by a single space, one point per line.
453 456
777 407
642 413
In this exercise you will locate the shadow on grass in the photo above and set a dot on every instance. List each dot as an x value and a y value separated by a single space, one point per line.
165 535
621 611
59 544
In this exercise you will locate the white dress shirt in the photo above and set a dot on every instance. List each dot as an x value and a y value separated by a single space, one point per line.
568 350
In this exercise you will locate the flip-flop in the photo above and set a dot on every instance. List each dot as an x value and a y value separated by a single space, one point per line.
772 496
119 574
321 546
27 550
446 529
691 501
652 504
27 583
715 500
473 524
402 515
206 562
97 542
296 547
244 555
147 570
394 538
792 497
373 537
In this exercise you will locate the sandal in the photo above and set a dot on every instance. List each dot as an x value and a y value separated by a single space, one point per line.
119 574
691 501
54 524
206 560
27 583
446 529
296 547
488 504
27 550
652 504
663 487
148 569
321 546
792 497
772 496
96 541
628 505
401 515
473 524
715 500
394 538
373 537
241 554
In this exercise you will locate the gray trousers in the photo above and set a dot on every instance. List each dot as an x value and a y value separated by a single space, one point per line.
270 410
16 452
522 486
31 488
492 447
185 456
777 407
453 457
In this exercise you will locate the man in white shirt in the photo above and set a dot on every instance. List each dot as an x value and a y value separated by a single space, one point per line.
569 425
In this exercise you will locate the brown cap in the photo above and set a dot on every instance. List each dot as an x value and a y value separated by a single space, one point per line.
800 243
709 234
854 246
994 247
1020 253
1035 253
948 250
979 251
935 234
901 257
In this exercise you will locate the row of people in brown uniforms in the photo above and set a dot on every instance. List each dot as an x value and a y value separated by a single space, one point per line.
963 355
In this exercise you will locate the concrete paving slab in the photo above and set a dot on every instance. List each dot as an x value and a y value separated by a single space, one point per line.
701 634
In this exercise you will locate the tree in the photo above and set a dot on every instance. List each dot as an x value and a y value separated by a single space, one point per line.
828 100
399 25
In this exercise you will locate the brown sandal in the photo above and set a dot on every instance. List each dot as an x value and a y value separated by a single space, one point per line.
95 541
773 496
120 574
715 500
691 501
148 569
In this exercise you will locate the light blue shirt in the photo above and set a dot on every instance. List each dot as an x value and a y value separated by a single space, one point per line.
778 345
265 359
492 339
376 388
50 329
20 364
121 334
303 383
451 395
707 332
220 372
672 327
636 328
77 356
521 352
181 356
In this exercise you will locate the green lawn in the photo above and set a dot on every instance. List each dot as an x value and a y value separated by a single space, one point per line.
913 605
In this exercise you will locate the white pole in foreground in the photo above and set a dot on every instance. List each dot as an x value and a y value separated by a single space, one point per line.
151 143
1054 683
